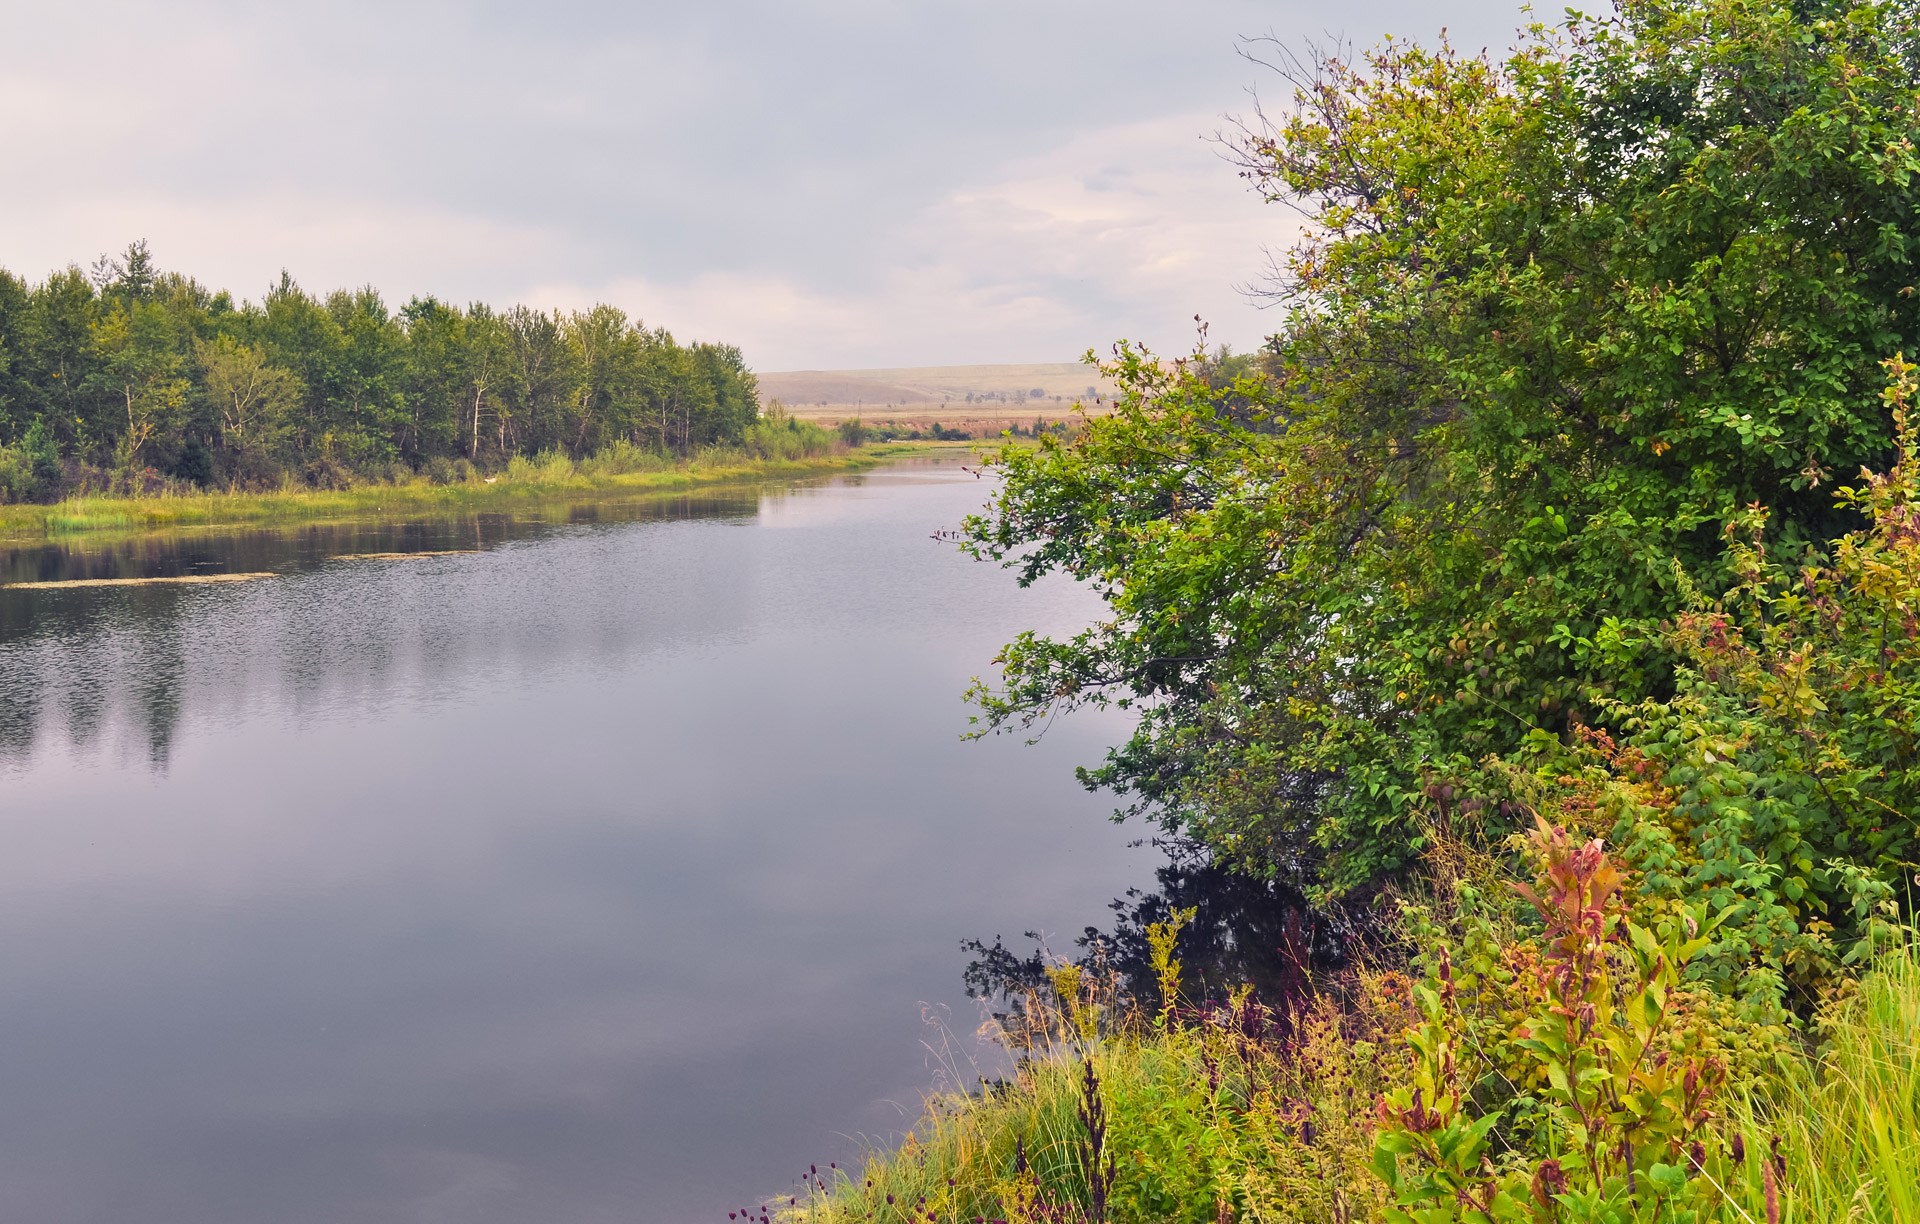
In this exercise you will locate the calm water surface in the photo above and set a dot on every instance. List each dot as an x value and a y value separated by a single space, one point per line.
604 873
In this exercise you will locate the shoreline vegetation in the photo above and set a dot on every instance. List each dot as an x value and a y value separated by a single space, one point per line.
521 483
1324 1111
1540 608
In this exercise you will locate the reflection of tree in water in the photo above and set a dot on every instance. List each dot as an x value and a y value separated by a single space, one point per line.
84 660
19 713
1244 931
77 662
157 693
83 699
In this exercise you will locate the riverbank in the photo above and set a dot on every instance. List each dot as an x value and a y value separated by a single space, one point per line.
519 484
1312 1112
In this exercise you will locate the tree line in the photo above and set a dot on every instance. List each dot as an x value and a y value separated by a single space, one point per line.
128 377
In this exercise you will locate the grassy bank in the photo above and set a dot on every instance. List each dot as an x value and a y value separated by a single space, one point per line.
523 481
1313 1113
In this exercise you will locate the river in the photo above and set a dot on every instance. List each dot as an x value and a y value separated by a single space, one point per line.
609 867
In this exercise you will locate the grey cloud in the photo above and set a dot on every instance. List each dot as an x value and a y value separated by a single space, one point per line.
653 141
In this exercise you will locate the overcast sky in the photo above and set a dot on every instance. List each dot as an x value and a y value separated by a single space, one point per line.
828 183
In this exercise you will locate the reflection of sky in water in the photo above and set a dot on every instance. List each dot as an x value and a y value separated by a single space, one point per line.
598 875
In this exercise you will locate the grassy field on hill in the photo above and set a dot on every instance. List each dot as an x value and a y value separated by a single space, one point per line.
986 395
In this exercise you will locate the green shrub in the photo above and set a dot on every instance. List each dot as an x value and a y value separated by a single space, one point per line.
31 470
1575 1075
17 481
782 437
326 472
1778 785
42 451
1564 1077
621 457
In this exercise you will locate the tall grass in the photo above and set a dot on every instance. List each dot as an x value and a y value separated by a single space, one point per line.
1222 1112
1218 1114
1198 1130
1847 1120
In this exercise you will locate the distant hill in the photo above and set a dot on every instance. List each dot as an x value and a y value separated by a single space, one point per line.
951 394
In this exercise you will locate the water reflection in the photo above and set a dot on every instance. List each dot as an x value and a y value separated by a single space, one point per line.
596 874
53 643
1237 930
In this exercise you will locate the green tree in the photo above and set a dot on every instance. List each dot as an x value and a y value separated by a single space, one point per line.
299 334
487 368
18 395
690 397
1556 319
253 400
435 381
539 384
141 373
603 352
55 356
138 367
130 277
735 392
367 415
